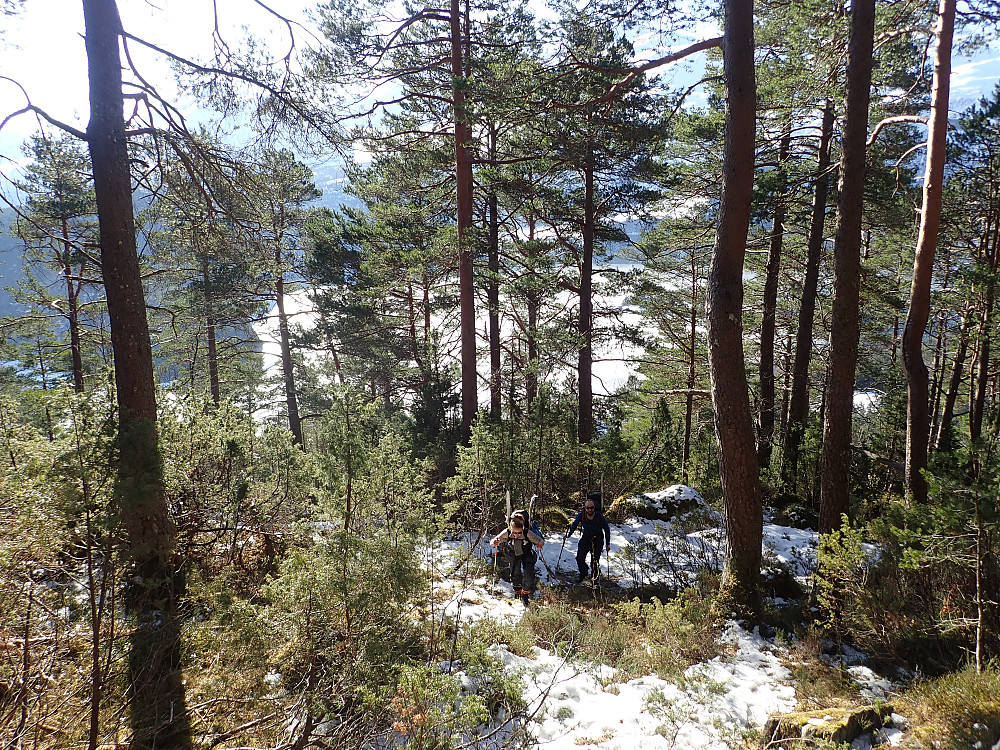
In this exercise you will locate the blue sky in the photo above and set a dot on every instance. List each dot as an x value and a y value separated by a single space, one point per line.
43 51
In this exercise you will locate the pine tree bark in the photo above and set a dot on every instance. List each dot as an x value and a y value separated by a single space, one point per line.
724 307
981 372
156 691
415 347
464 216
937 371
942 441
917 415
845 328
210 325
285 342
692 374
798 401
493 300
534 303
73 310
585 362
765 422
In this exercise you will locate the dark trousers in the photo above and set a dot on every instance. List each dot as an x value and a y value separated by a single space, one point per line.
592 547
522 570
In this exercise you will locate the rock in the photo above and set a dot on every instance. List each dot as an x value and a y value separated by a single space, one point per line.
674 501
832 724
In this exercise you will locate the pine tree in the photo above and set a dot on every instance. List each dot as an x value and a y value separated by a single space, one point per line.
60 235
157 705
918 420
724 305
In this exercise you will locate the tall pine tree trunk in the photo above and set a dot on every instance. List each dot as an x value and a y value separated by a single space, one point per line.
287 366
724 306
493 300
72 311
798 401
937 370
464 186
917 417
585 363
765 423
493 287
415 346
942 441
845 327
981 372
156 690
534 302
210 325
692 374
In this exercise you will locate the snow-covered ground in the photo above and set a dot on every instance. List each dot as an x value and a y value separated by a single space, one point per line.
578 704
716 701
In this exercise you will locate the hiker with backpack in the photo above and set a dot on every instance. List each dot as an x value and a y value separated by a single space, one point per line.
518 541
596 533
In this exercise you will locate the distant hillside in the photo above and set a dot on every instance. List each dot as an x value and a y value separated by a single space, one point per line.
10 264
330 179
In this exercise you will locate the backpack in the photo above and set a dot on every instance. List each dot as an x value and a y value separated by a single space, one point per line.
529 524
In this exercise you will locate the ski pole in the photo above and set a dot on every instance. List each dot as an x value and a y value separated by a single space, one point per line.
595 569
542 556
559 560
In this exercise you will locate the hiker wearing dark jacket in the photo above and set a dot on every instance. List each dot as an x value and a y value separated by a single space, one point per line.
520 555
596 534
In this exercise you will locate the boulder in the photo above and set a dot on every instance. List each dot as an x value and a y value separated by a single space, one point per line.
676 500
830 724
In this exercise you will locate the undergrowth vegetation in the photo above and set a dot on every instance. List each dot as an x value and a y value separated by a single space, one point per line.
957 710
313 609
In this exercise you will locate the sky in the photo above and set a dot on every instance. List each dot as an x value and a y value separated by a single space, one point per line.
42 50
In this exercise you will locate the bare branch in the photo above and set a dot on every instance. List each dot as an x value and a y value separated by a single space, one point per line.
307 115
893 121
631 73
29 107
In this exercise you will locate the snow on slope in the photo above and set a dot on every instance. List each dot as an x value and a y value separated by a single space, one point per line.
580 704
717 700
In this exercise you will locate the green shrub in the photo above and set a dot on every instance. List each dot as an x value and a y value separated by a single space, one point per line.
431 710
958 710
912 596
478 637
636 638
674 634
555 627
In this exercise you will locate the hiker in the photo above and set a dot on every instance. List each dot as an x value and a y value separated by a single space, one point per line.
518 541
596 533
